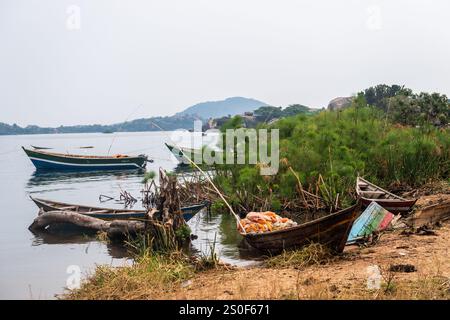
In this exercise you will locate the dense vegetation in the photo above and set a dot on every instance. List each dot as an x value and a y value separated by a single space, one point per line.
262 115
404 106
267 113
362 139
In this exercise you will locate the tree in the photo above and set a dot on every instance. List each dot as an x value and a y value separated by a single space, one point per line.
379 95
295 109
234 123
267 113
412 109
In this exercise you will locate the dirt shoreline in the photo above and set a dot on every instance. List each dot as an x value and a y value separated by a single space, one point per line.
346 277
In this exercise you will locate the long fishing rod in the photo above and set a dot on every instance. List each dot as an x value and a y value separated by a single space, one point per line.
114 137
206 176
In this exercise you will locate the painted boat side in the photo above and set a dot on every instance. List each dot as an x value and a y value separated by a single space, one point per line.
374 218
49 161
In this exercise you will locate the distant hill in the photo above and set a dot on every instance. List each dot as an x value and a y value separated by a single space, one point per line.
216 109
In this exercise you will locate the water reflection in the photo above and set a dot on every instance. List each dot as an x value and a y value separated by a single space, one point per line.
218 231
74 236
85 188
48 178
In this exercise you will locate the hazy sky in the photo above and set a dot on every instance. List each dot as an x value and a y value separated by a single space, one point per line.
80 62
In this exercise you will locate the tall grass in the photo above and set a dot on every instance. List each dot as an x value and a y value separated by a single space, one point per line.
339 145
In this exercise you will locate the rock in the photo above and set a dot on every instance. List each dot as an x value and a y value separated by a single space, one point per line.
340 103
186 283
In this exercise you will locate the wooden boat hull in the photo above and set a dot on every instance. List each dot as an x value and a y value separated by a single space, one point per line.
430 214
178 153
46 161
108 213
192 154
374 219
384 198
331 231
392 206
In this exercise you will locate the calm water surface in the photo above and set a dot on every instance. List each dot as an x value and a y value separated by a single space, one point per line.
34 266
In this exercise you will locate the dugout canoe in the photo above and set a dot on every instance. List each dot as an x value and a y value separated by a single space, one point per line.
331 231
50 161
369 192
108 213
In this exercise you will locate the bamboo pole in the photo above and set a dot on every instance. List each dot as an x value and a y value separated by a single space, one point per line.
238 220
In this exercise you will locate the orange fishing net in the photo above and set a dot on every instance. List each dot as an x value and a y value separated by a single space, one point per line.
264 222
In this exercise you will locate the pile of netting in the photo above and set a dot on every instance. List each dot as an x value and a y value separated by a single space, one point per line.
258 222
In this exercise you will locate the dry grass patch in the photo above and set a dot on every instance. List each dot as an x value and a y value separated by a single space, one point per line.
150 276
313 254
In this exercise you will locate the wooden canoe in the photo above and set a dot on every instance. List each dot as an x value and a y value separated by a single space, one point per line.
188 152
331 231
369 192
44 160
192 154
430 214
108 213
40 148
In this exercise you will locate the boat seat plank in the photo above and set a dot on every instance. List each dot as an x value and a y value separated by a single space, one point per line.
67 208
362 184
373 192
99 211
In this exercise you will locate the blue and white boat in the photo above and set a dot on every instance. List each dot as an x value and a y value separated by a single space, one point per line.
50 161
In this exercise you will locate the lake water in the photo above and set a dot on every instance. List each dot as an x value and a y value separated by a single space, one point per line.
37 266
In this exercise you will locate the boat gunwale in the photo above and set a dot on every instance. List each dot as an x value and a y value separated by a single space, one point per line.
358 191
121 211
389 200
51 202
80 156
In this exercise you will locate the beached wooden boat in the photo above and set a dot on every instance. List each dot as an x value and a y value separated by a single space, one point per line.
430 214
331 231
108 213
374 219
44 160
369 192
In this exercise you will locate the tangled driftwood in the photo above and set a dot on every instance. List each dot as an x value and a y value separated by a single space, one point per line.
115 229
160 226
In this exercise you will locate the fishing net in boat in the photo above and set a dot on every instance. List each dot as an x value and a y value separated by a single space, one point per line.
259 222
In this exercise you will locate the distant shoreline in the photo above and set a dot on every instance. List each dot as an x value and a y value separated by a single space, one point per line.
62 133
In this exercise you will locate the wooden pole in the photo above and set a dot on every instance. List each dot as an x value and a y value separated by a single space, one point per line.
209 180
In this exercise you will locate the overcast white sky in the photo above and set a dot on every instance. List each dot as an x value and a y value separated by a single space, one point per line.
166 55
